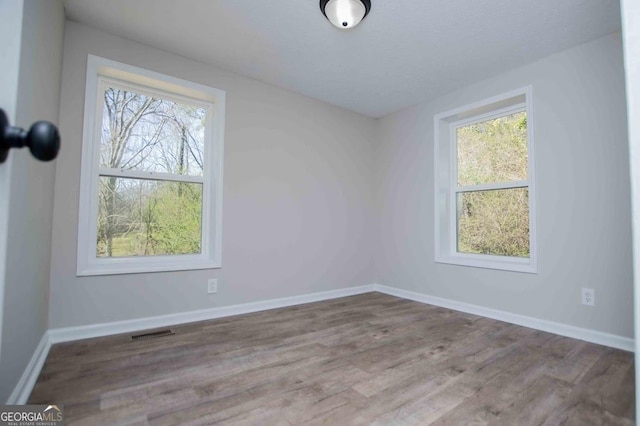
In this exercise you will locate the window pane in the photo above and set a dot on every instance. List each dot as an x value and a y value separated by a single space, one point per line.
493 151
494 222
139 217
151 134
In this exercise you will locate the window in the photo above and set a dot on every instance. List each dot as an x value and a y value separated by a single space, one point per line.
151 183
484 184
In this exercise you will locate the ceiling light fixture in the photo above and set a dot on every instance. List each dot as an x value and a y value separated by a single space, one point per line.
345 13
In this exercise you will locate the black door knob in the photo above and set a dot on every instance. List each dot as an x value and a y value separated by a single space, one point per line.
42 139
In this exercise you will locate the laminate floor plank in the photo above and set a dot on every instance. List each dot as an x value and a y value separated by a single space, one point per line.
370 359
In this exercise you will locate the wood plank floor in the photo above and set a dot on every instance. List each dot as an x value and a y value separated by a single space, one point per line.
367 359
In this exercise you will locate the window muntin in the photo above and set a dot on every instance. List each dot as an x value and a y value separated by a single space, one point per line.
485 197
151 172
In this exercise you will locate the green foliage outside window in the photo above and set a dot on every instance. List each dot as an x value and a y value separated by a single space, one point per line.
145 217
151 218
493 221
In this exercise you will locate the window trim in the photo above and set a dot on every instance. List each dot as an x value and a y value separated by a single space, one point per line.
101 71
446 187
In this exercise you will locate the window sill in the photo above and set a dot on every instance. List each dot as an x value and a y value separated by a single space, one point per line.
131 265
512 264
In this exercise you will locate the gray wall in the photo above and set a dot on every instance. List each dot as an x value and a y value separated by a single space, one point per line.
583 207
298 196
25 315
300 211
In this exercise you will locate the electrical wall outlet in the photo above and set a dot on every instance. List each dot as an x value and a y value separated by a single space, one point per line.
588 296
212 286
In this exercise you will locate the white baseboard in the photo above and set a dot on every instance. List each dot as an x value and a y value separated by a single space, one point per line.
598 337
23 389
66 334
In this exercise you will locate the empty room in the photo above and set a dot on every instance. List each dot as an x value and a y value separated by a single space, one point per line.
344 212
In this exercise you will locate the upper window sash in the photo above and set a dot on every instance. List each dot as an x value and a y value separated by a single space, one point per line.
105 83
453 145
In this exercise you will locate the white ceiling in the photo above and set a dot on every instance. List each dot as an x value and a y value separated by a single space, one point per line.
403 53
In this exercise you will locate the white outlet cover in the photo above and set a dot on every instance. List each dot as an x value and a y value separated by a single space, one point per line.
212 286
588 297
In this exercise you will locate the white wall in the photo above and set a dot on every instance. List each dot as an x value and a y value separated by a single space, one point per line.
298 196
30 192
582 195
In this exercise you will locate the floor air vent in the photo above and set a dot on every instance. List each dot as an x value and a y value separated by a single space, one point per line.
152 335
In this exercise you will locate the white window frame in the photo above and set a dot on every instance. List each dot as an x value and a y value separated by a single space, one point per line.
102 72
446 186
